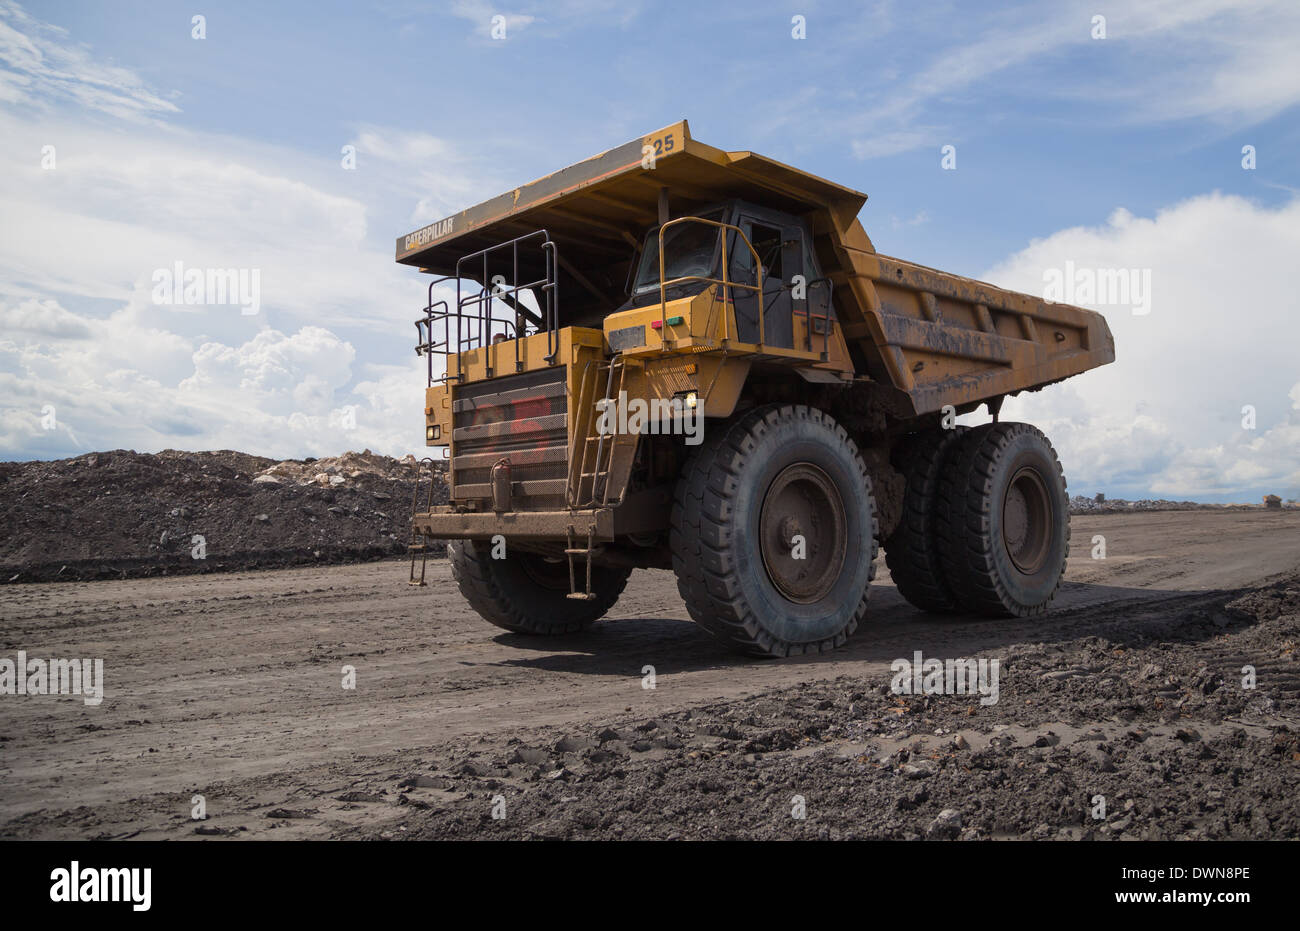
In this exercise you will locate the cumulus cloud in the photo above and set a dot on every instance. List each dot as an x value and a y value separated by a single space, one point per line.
118 207
101 384
43 319
1170 416
274 372
89 359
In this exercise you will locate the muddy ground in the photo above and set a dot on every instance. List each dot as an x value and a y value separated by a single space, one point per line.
230 687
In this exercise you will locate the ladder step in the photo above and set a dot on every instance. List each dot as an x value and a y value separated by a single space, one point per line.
580 596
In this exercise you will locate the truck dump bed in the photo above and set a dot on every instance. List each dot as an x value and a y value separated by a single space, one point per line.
937 338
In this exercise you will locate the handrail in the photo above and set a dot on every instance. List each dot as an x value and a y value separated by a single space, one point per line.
725 282
424 344
548 285
474 318
830 308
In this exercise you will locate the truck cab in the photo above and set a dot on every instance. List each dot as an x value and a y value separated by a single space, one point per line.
759 244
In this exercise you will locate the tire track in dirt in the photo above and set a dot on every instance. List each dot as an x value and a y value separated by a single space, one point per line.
234 680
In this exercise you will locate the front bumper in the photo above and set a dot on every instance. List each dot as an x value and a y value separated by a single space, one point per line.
443 523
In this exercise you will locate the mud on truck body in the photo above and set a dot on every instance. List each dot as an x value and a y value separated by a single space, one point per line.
674 356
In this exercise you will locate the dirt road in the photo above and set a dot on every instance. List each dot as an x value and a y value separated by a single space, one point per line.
229 687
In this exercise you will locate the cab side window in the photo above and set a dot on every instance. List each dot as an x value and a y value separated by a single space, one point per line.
741 259
767 243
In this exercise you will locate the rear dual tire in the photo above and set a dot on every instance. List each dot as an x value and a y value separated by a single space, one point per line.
1002 521
912 551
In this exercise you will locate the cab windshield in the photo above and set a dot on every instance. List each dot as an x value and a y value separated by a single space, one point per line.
690 249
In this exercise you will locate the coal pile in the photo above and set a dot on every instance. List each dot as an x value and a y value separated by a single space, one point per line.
123 514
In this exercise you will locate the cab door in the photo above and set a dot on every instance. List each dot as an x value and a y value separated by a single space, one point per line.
780 252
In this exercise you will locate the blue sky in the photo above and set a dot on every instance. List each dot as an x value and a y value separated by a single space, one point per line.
1045 139
1124 150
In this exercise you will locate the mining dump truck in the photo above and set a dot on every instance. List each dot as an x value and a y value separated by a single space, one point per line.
674 356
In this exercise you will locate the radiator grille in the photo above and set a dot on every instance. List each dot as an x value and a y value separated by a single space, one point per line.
519 417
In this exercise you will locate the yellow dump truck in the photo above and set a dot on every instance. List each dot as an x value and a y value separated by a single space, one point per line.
675 356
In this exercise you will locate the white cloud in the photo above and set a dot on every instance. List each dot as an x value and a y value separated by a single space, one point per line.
79 245
892 143
40 66
113 384
42 318
273 373
117 207
482 15
1161 60
1165 419
920 218
551 18
443 178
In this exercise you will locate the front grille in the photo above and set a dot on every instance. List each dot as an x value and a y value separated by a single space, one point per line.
522 418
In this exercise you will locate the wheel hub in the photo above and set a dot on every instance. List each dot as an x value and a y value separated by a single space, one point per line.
803 533
1027 521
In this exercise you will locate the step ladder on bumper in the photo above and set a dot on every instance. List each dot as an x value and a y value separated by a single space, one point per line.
586 552
418 548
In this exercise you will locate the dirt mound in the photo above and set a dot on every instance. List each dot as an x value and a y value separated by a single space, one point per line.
1102 505
1271 601
122 513
338 470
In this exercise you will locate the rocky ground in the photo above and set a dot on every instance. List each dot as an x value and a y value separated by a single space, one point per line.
123 514
1156 723
229 686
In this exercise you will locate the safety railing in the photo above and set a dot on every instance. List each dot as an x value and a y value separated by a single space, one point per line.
475 316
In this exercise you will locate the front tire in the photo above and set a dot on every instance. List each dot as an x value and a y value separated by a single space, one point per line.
774 532
525 593
1003 521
